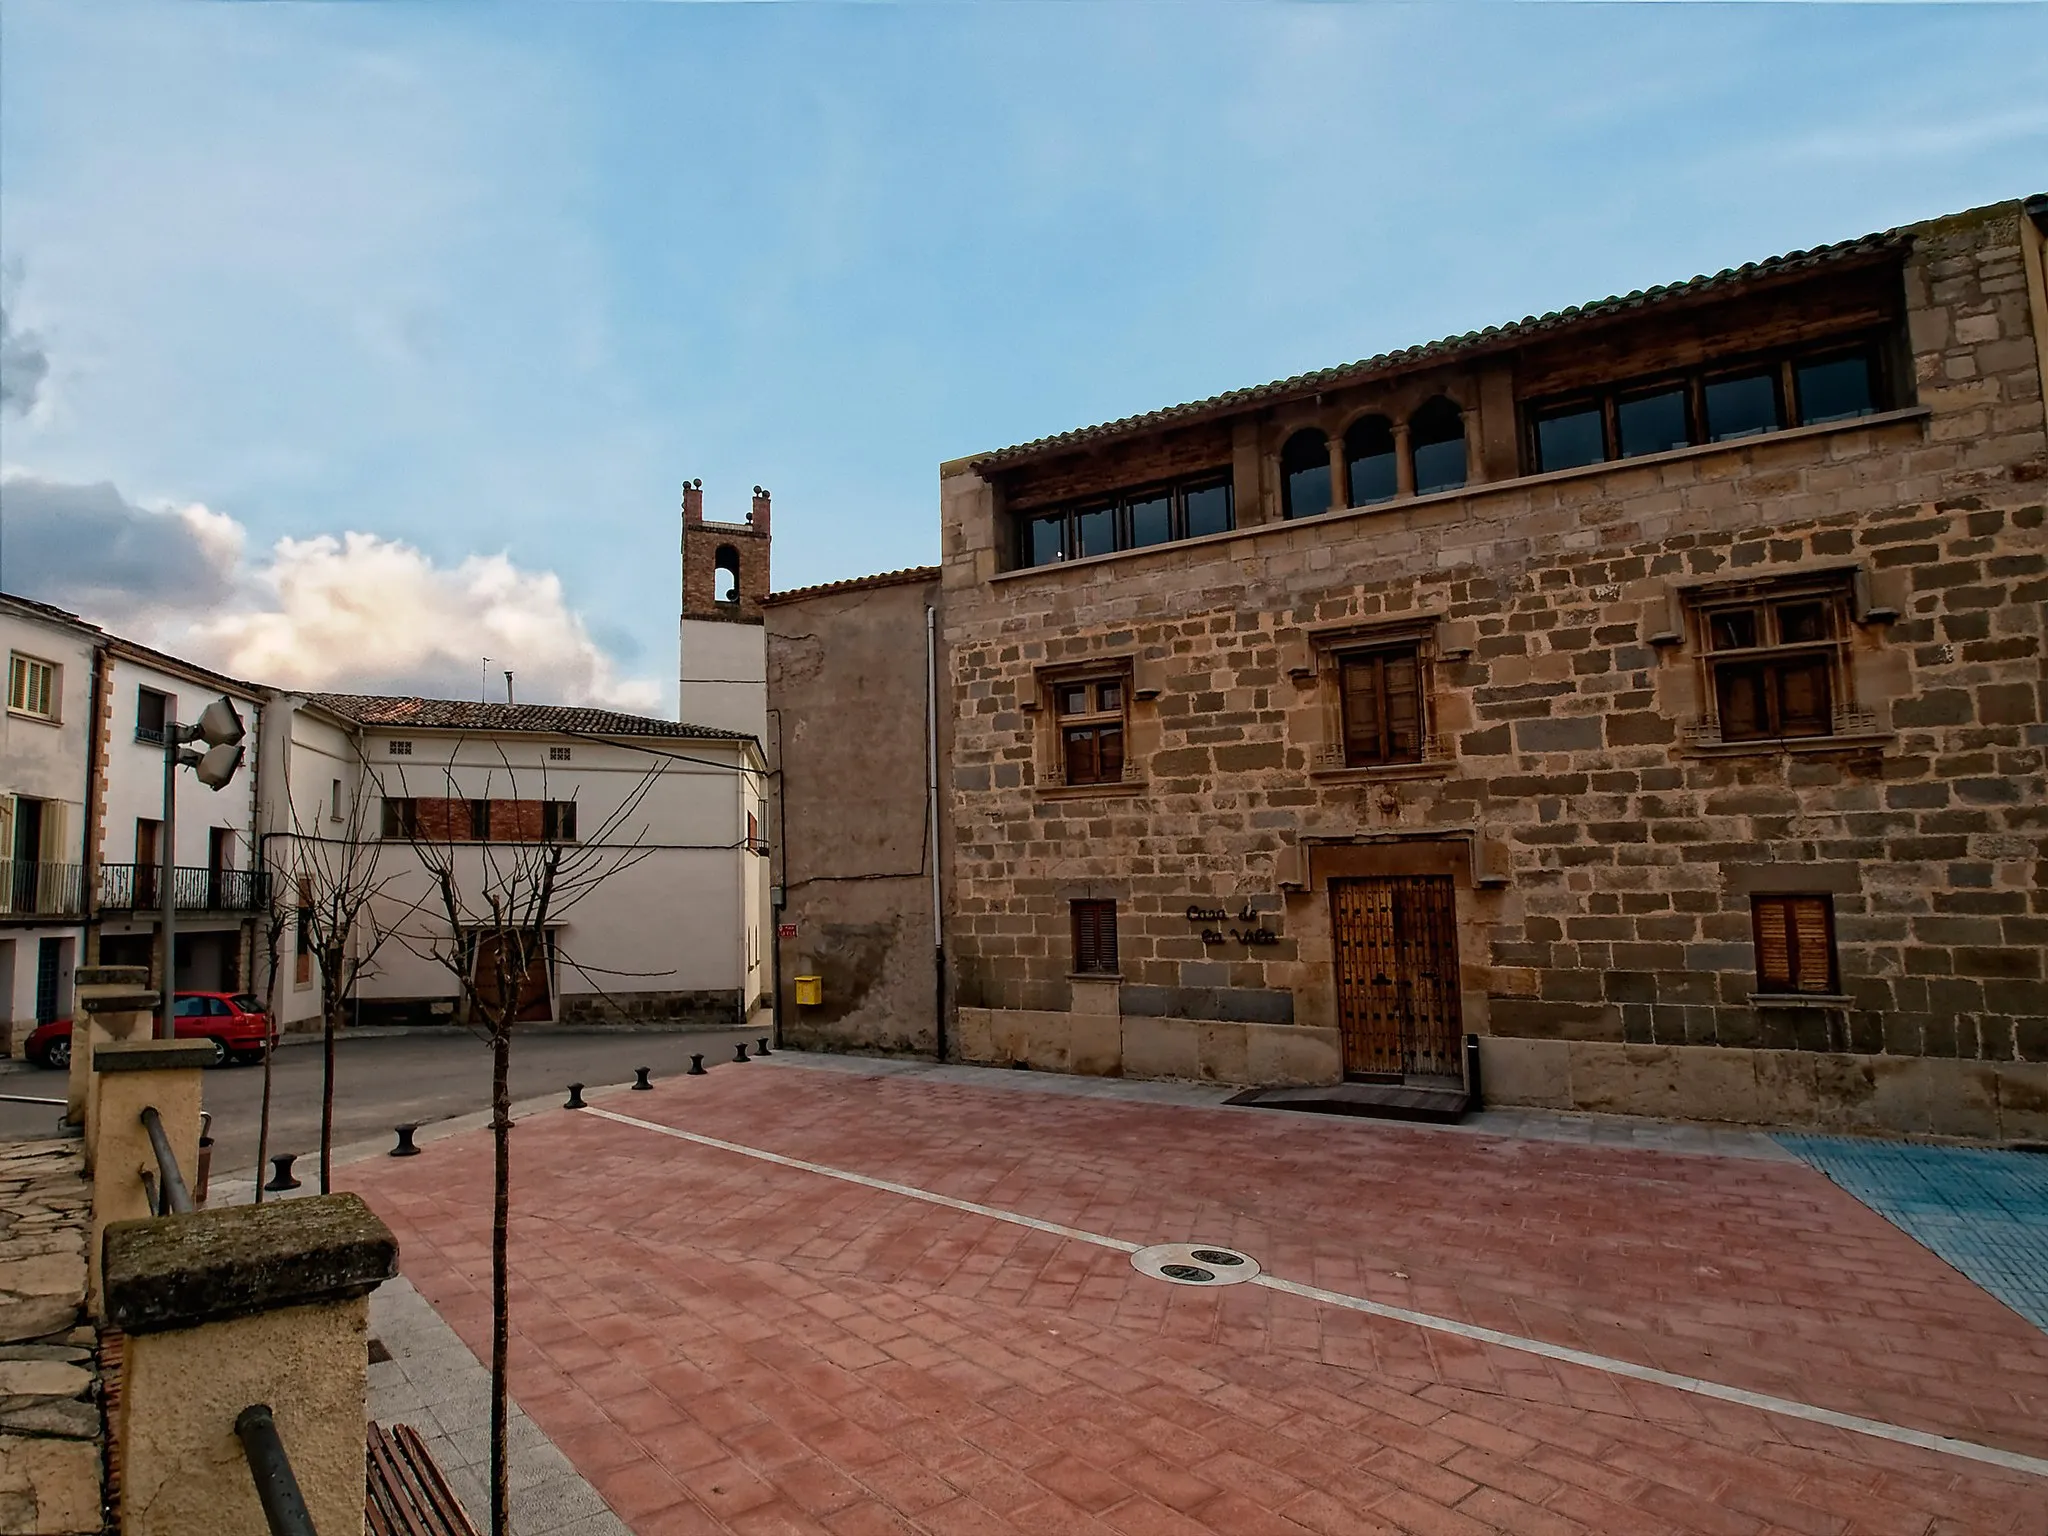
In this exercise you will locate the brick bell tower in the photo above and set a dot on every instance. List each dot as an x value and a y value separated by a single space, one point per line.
723 678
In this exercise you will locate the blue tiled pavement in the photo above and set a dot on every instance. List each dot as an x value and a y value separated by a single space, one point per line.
1986 1213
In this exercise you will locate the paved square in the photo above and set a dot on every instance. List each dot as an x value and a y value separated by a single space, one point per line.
720 1342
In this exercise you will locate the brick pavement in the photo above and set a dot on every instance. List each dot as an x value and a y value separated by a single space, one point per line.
721 1344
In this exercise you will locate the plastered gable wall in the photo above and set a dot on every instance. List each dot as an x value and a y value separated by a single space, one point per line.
1628 860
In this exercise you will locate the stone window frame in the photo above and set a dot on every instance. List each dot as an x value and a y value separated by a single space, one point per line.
1327 650
1843 587
1050 771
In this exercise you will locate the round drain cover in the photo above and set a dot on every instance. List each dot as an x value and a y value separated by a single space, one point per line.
1194 1264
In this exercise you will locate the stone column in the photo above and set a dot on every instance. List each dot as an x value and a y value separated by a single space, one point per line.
96 990
1404 462
133 1074
1340 476
227 1309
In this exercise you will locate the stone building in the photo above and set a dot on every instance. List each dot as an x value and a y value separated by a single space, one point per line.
1654 690
850 814
722 676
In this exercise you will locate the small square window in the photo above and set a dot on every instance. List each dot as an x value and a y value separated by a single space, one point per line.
1570 438
1734 630
1074 699
1802 623
1653 423
1795 944
1095 938
1207 509
32 687
1835 389
1044 539
1743 406
398 748
152 709
1094 532
558 754
1151 518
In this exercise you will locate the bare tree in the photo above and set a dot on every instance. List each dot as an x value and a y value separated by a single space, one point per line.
336 884
492 923
276 916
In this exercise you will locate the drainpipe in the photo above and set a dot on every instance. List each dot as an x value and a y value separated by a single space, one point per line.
931 723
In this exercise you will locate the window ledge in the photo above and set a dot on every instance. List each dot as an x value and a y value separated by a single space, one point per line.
1801 1000
23 714
1859 741
1381 772
1095 975
1089 791
1209 541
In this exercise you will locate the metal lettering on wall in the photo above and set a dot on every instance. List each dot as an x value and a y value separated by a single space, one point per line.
1253 932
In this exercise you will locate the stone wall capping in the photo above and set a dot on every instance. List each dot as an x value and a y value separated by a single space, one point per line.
210 1266
1808 746
152 1055
133 977
125 1000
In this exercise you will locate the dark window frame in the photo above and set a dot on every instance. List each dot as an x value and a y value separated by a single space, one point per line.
1081 733
165 711
1067 516
1094 935
1782 909
1769 665
1784 363
1387 749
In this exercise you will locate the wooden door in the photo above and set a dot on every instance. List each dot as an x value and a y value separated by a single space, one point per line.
1397 974
534 1006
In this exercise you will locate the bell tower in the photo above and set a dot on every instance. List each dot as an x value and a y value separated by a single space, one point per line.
723 677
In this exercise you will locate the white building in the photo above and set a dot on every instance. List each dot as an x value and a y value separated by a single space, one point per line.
220 887
676 932
45 784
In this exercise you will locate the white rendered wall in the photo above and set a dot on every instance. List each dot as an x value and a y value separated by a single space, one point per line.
724 678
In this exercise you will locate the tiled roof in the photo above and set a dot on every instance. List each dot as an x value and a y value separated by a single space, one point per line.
909 576
1449 347
460 715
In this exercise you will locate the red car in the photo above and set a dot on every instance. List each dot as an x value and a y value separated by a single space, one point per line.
234 1022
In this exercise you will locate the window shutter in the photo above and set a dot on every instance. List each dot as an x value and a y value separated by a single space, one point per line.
1404 708
1361 710
1095 936
1803 704
1109 748
7 851
1813 953
1740 694
1773 944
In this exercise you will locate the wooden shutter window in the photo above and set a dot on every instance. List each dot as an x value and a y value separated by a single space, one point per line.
1382 701
1095 937
1795 943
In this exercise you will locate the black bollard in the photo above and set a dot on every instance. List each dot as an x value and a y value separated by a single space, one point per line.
696 1067
640 1082
282 1179
1474 1093
740 1051
761 1049
575 1097
405 1148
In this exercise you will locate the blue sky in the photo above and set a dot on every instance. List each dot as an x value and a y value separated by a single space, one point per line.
481 285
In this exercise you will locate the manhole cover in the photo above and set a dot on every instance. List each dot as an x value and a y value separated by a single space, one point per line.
1194 1264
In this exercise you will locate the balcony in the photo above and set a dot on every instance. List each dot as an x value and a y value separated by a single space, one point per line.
31 889
139 888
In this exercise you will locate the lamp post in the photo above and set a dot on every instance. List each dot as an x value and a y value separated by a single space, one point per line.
220 727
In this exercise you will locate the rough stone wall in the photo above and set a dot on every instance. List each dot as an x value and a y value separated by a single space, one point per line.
701 543
848 814
1629 852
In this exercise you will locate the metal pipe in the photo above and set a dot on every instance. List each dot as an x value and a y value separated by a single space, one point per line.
284 1507
931 725
177 1198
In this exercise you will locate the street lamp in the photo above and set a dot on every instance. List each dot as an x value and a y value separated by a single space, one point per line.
220 727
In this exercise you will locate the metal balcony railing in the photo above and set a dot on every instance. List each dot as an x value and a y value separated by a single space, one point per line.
29 888
139 887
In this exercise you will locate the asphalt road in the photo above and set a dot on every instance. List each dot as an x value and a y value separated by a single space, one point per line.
382 1081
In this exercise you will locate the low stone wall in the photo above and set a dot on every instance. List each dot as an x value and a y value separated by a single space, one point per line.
713 1007
1106 1044
50 1427
1911 1095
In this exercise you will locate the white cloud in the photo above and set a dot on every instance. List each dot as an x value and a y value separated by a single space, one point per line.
23 366
357 613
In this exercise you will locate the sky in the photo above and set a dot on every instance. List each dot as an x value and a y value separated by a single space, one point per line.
348 345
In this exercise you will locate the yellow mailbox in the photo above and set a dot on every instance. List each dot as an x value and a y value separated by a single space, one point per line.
810 991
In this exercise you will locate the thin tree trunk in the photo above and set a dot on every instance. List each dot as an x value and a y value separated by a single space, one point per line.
327 1102
501 1132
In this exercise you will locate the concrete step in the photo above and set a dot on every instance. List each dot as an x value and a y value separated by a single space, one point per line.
1432 1102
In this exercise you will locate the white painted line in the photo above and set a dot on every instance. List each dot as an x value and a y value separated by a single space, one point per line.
1877 1429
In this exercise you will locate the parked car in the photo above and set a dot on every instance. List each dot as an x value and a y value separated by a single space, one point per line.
234 1022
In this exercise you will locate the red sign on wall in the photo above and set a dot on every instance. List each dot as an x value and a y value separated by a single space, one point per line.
785 930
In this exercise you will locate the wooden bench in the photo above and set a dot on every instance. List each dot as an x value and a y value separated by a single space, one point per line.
405 1494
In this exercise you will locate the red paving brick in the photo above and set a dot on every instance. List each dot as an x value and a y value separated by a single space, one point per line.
719 1343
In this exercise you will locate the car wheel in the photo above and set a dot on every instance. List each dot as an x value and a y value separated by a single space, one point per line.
220 1052
58 1056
